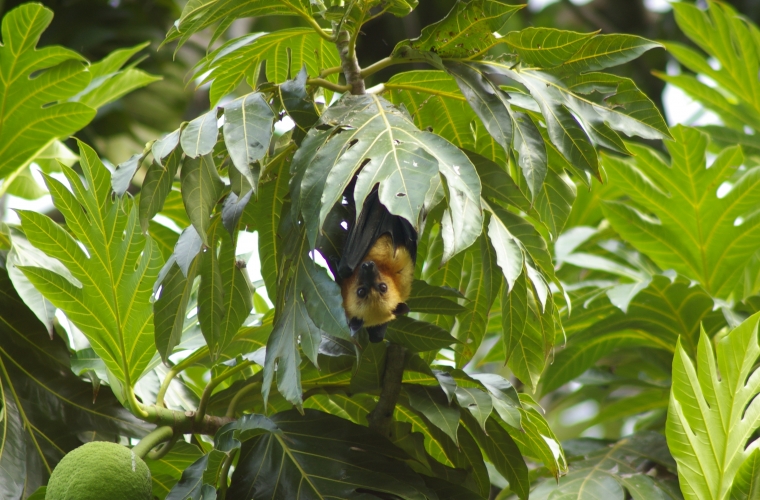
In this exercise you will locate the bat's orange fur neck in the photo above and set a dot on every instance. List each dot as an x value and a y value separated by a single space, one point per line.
396 270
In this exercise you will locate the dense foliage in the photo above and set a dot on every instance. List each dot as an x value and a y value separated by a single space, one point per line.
582 319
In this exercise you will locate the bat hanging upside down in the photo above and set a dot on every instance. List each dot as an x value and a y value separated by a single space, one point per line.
376 268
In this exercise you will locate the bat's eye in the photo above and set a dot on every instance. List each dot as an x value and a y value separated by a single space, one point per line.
361 292
382 287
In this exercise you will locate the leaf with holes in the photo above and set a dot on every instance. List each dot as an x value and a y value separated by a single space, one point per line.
371 134
436 104
248 122
465 32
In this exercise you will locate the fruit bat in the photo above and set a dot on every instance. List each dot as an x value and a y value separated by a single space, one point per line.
376 267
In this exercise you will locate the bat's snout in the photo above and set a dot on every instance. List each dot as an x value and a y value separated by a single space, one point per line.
368 273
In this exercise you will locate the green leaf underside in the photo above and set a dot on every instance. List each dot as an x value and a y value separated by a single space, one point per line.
733 42
611 471
51 92
285 52
695 232
112 305
403 159
656 317
711 417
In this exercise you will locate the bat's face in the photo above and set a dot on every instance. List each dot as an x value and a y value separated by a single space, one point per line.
371 296
379 286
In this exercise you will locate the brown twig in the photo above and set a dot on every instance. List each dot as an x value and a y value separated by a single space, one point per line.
381 417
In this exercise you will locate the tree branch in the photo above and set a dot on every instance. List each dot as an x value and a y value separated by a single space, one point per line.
381 417
185 422
350 65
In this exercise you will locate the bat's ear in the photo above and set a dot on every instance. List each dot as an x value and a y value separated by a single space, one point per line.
402 308
377 332
355 324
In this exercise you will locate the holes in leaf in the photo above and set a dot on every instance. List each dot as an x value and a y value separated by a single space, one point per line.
400 195
38 73
49 104
364 164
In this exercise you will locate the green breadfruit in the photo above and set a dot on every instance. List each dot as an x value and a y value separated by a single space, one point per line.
98 471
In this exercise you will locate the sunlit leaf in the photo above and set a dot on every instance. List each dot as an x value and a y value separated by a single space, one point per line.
112 307
712 416
285 52
677 218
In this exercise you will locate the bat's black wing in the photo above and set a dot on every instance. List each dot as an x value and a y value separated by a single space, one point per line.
374 221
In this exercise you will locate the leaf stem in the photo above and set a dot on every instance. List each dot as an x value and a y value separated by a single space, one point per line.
156 437
320 31
223 474
166 448
384 63
381 417
184 422
176 370
335 87
330 71
137 408
239 395
353 37
201 412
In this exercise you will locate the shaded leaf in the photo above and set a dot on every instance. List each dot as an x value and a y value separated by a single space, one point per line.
157 184
325 455
432 402
166 471
612 470
248 130
418 336
199 136
201 189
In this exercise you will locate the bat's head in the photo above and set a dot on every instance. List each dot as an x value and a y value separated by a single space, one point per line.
371 295
376 291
